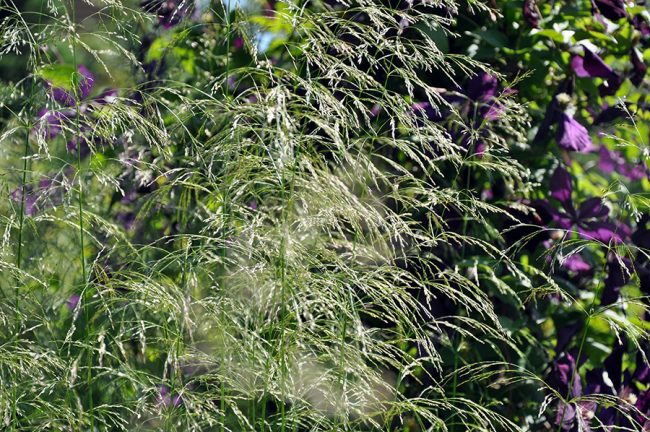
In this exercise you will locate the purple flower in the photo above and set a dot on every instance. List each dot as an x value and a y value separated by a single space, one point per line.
30 199
590 65
106 97
639 68
610 113
73 301
84 85
611 85
618 275
590 218
50 123
531 13
641 24
565 334
579 413
573 136
238 43
482 87
612 161
425 109
402 25
166 399
84 149
127 219
169 12
564 375
611 9
577 264
553 110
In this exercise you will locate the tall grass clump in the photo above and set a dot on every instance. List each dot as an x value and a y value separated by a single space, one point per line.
266 217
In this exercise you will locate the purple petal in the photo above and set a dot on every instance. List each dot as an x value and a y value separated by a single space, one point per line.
553 113
72 146
609 114
577 264
641 237
566 414
611 85
609 161
563 373
73 301
601 231
127 219
639 68
614 364
617 276
573 136
482 87
643 404
494 111
642 371
592 208
86 81
425 109
50 123
531 13
590 65
560 185
566 333
107 97
611 9
640 23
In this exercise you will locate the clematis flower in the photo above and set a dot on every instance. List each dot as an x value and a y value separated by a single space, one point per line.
590 218
169 12
565 333
127 219
238 43
50 123
618 275
641 24
79 141
573 136
611 85
590 65
84 87
482 87
554 109
424 109
166 399
611 113
611 9
578 414
30 199
612 161
73 301
577 264
531 13
639 68
564 378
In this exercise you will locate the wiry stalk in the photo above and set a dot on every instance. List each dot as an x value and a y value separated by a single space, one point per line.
86 294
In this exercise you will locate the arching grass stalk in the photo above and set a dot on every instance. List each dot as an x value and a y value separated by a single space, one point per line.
288 204
85 297
225 225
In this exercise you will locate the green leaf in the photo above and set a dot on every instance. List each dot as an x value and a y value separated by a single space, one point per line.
58 75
